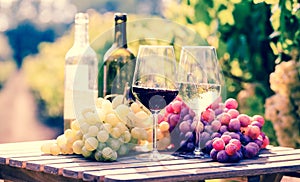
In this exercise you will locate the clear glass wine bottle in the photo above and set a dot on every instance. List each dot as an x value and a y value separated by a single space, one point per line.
81 70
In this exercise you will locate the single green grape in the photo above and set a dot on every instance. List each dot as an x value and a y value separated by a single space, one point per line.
77 146
107 153
102 136
91 143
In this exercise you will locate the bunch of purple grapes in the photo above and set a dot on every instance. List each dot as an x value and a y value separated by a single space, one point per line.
238 135
225 134
182 125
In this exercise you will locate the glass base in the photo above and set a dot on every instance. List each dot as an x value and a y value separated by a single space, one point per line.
155 156
194 155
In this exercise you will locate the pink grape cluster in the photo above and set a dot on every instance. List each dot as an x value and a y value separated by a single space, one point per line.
225 134
237 135
182 125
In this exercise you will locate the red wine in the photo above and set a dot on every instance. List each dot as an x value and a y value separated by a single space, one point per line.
154 98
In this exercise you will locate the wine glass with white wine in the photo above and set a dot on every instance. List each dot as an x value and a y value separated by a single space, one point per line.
200 79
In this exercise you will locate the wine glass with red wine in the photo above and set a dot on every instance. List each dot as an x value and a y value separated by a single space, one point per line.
155 86
200 82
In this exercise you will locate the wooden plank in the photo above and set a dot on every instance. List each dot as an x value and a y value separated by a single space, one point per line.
21 161
77 171
101 173
208 173
21 149
57 168
4 158
278 153
278 148
38 165
21 175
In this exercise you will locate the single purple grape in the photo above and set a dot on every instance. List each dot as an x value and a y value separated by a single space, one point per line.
222 156
218 111
244 119
173 120
253 144
175 117
184 111
192 113
208 146
213 154
250 150
256 123
223 129
258 142
208 129
226 133
204 123
245 139
190 146
189 136
186 117
215 134
234 135
189 121
184 126
235 157
216 125
234 125
204 137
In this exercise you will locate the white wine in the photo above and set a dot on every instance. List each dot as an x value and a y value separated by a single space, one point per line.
199 96
81 69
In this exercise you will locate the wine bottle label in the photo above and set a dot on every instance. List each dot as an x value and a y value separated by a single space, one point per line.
78 100
77 94
77 77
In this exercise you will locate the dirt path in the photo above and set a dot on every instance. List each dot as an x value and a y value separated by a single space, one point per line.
18 120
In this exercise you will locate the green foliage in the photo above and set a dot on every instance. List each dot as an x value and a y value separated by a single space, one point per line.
239 30
285 20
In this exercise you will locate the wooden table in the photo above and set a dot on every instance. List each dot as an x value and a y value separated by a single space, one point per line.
24 162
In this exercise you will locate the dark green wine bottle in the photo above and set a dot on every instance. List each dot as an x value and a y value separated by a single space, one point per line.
119 62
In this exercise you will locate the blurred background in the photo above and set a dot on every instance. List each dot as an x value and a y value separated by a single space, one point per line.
257 43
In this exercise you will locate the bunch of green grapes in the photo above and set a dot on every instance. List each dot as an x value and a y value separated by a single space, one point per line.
283 108
103 133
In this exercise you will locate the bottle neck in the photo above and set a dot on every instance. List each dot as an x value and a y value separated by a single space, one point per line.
120 34
81 34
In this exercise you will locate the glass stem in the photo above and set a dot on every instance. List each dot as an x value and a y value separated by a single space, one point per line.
154 130
197 150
